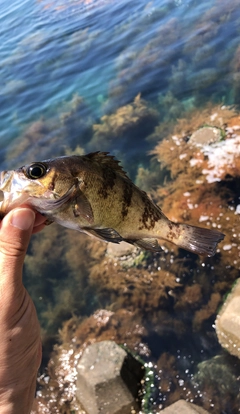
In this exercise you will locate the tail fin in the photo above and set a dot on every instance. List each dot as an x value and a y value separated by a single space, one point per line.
198 240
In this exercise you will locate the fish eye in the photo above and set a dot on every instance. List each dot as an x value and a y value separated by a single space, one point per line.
35 171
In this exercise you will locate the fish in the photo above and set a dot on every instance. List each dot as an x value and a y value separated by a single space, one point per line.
94 195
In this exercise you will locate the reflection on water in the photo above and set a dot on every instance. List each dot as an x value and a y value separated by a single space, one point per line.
131 77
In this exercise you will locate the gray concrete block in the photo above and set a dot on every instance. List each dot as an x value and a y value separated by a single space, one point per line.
108 379
228 322
183 407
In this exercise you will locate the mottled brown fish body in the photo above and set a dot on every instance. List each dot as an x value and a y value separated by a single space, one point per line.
93 194
120 205
117 203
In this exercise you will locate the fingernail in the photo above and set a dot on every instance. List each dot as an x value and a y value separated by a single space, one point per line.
22 218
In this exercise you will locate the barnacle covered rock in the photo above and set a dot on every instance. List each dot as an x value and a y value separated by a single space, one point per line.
204 177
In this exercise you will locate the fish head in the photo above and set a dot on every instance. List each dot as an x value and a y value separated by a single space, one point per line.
39 184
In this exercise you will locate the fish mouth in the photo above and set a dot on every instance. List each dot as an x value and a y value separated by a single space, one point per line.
4 178
13 182
12 192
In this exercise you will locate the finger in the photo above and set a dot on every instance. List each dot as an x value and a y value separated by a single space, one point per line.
15 233
39 218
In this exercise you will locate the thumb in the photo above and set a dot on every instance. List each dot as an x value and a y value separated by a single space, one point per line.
15 234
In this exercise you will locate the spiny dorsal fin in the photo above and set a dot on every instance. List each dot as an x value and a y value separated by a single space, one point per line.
110 161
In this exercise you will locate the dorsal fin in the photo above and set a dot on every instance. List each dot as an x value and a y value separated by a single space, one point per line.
110 161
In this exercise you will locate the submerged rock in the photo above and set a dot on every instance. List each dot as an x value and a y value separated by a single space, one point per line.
108 379
219 374
228 322
122 249
184 407
206 135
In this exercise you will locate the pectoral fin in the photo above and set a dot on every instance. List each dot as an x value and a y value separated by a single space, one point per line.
109 235
82 207
48 222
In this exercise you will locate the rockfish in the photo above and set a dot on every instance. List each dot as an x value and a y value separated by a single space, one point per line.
92 194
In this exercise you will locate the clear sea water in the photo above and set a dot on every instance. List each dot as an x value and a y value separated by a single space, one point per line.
51 50
107 52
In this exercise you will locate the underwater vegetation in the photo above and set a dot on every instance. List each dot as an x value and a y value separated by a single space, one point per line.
166 50
47 138
236 75
124 133
35 138
183 54
56 272
162 306
135 120
76 130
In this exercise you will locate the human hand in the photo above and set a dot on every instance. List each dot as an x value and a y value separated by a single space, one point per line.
20 343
